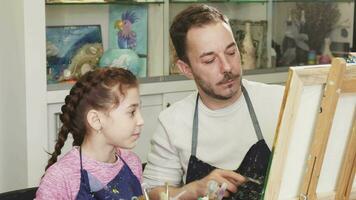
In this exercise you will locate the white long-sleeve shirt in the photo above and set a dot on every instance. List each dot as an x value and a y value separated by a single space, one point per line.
224 136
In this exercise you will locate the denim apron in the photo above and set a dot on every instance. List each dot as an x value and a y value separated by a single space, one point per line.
125 185
254 164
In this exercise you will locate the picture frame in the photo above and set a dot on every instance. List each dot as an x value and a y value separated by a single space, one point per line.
72 50
128 29
259 38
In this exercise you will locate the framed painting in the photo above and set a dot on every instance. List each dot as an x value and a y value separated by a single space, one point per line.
128 26
72 50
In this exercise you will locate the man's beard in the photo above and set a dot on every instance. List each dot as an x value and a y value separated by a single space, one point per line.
206 87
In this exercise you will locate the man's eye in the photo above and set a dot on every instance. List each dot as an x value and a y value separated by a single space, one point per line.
231 53
209 61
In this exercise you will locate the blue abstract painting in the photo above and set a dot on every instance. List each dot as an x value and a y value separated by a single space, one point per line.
64 43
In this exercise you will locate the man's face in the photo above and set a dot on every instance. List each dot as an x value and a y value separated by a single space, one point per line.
214 60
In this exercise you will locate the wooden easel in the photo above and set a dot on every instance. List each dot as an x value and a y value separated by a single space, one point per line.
337 80
322 129
348 168
333 89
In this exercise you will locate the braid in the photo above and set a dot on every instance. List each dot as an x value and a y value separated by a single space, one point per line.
93 90
62 137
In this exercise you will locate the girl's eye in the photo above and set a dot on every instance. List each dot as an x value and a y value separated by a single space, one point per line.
132 113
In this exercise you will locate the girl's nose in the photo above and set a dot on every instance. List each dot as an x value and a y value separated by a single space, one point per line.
140 121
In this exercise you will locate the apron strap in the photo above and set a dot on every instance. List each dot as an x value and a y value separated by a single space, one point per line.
195 129
251 110
80 156
123 161
253 116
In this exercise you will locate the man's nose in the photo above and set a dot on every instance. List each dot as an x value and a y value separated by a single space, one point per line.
225 65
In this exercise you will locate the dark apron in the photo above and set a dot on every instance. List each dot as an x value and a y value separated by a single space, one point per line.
125 186
254 164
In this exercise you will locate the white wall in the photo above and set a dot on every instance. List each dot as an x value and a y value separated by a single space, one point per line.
23 130
13 172
36 89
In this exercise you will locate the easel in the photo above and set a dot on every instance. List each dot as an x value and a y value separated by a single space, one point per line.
332 91
338 79
343 188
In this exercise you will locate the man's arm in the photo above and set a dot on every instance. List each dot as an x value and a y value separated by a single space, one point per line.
199 188
163 165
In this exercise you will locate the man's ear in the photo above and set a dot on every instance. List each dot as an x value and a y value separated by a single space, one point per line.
185 69
94 120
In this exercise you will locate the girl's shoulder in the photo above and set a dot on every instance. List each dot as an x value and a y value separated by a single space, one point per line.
69 162
62 179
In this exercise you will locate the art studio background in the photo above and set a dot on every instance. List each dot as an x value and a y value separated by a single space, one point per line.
34 79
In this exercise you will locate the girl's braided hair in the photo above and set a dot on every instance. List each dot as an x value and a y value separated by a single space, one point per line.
100 89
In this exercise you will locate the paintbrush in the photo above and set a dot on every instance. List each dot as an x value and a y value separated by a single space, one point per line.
254 180
167 191
144 188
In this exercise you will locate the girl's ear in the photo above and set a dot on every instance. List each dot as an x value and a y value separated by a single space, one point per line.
185 69
94 120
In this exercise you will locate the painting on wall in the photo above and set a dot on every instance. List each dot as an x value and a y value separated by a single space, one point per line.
259 38
128 30
72 51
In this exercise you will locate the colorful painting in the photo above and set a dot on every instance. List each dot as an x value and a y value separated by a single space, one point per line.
128 30
72 51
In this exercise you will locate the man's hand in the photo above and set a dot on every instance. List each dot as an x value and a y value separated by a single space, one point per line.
199 188
231 178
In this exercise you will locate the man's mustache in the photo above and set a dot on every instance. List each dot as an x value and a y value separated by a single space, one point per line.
227 77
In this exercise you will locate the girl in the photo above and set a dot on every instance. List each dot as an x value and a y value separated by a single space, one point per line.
103 115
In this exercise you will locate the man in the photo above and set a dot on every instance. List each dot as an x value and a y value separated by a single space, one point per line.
222 128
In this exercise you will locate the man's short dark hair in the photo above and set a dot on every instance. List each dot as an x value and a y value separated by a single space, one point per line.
193 16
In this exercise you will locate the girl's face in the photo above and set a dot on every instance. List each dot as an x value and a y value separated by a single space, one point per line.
121 127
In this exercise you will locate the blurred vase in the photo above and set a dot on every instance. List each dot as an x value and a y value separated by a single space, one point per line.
249 51
326 56
302 50
289 45
311 57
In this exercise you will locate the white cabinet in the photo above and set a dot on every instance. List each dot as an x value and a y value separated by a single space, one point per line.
151 107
